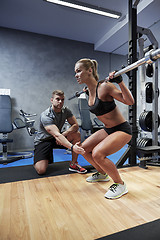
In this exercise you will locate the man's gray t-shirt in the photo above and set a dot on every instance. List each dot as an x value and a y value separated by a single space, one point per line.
49 117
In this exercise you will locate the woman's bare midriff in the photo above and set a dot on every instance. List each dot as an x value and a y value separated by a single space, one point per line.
112 118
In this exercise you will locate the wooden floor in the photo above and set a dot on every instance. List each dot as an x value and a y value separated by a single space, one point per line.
66 207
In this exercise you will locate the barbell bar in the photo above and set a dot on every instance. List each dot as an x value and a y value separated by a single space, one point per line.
150 57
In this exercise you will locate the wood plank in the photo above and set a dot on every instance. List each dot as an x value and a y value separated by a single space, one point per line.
67 207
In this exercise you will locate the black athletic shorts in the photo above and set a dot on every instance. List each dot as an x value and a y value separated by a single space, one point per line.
44 150
124 127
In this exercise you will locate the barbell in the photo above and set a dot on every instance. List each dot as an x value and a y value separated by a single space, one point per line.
150 57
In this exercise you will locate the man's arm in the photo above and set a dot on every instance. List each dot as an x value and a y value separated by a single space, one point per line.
73 128
54 131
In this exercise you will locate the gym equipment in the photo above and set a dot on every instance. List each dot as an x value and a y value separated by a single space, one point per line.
152 53
141 143
145 152
28 122
144 142
6 126
145 121
86 123
150 57
149 92
149 70
77 94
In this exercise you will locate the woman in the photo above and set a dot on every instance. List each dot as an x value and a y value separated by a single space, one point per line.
117 131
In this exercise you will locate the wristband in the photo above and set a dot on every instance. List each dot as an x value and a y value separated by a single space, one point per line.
117 80
72 148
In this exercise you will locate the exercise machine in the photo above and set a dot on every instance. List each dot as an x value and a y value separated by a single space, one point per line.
7 126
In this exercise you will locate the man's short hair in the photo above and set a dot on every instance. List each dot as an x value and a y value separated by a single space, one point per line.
57 92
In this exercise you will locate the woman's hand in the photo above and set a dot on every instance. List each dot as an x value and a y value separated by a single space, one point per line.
112 79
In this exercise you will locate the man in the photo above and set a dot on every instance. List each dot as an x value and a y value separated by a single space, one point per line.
49 135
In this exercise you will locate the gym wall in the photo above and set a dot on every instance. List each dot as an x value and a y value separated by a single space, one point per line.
33 65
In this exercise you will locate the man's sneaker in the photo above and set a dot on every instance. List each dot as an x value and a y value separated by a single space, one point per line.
77 168
98 177
116 191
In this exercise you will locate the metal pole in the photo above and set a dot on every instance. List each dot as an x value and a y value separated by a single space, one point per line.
142 74
132 58
155 105
132 69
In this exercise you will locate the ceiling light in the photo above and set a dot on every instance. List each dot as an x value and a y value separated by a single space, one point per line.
87 7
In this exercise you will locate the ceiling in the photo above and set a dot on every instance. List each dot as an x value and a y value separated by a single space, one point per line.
107 34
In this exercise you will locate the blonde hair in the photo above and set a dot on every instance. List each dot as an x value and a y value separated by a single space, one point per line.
87 63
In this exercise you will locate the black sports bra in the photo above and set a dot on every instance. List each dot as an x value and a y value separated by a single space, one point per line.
99 107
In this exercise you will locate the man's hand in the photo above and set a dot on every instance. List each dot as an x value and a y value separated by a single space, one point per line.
78 149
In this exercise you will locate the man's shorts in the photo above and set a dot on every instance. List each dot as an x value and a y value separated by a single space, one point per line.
124 127
44 151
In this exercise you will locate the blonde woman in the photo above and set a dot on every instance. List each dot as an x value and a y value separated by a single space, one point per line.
117 131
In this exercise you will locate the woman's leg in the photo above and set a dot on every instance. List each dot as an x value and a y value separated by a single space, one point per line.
89 144
111 144
107 146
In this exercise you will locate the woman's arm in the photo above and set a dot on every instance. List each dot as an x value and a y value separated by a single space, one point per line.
124 95
108 91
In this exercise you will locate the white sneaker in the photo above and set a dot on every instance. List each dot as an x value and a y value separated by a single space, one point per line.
98 177
116 191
